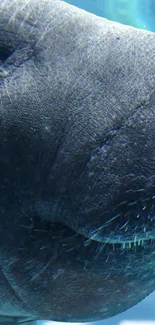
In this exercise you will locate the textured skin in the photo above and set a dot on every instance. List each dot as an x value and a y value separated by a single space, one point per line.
77 163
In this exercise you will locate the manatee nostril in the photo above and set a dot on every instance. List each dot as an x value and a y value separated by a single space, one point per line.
5 53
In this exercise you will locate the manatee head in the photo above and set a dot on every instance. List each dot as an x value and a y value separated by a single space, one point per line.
77 163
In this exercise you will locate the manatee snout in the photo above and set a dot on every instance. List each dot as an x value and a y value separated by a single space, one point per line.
113 199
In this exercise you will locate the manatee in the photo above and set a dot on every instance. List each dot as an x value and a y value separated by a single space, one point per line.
77 163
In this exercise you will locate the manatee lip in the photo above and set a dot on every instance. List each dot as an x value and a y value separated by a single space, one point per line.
126 244
114 239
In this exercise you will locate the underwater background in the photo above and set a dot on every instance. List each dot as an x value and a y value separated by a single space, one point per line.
137 13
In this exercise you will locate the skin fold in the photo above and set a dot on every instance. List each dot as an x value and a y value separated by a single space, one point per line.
77 163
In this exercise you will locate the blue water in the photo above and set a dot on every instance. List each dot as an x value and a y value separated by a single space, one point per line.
137 13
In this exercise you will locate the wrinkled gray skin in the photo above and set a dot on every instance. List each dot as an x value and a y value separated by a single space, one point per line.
77 163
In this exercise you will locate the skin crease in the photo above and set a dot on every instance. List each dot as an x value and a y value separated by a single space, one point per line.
77 163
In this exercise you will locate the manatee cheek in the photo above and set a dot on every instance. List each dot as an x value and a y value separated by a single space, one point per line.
113 200
123 215
128 216
106 207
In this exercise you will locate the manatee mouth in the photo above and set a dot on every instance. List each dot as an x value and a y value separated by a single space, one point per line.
126 219
112 243
124 230
132 224
120 243
126 242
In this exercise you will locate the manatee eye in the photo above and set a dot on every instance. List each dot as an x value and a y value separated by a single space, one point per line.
5 53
